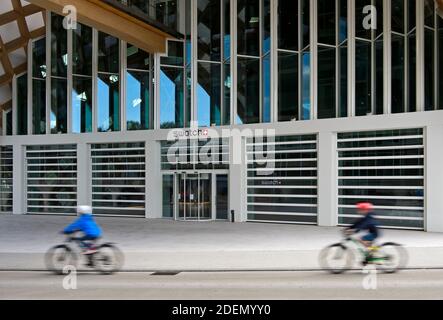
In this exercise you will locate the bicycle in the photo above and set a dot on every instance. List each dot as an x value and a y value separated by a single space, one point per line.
341 257
107 258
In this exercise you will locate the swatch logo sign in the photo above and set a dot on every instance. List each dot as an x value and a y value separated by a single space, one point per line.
177 134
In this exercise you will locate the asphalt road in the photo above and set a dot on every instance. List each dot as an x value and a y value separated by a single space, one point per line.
411 284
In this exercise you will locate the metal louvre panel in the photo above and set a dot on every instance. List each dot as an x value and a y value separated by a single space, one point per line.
386 168
51 176
118 179
282 179
6 172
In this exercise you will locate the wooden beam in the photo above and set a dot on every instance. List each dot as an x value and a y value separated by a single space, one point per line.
108 19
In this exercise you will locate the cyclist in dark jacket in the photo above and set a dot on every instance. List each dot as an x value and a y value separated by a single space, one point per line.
366 223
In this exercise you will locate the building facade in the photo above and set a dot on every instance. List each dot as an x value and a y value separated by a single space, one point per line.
272 110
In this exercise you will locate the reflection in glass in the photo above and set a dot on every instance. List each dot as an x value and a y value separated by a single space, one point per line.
326 22
59 101
39 59
222 204
108 53
379 85
306 22
248 98
363 77
360 16
209 30
266 89
81 104
288 25
398 15
9 123
168 196
175 54
326 83
227 94
22 104
412 63
38 106
429 69
171 98
59 46
208 94
248 27
343 67
137 58
227 29
398 74
137 100
306 86
82 50
287 86
108 103
266 30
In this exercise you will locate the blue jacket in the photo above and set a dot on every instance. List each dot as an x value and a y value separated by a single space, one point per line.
86 224
368 222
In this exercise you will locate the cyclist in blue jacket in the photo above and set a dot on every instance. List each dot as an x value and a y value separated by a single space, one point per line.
87 225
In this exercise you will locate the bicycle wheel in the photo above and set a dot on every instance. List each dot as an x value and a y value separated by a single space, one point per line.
396 257
108 259
58 257
336 258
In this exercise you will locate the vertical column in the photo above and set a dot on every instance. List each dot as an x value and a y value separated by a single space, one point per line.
237 176
18 180
387 63
84 188
314 56
433 179
420 71
327 179
154 183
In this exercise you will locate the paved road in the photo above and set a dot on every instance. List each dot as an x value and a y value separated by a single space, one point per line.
416 284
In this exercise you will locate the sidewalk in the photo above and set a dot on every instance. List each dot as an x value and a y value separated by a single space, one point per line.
170 245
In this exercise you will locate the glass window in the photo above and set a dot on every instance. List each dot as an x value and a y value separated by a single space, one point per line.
209 30
136 58
227 29
343 66
412 63
360 30
379 81
248 27
22 104
81 104
138 111
287 86
227 94
108 53
326 22
82 50
59 46
306 86
429 69
168 196
8 122
288 30
326 82
59 102
266 89
175 54
440 63
108 98
398 15
248 99
39 59
208 94
363 88
266 26
398 75
306 22
171 98
343 20
38 106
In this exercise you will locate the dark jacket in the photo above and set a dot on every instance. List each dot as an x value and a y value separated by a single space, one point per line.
86 224
368 222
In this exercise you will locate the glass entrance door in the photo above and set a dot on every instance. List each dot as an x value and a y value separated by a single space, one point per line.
194 196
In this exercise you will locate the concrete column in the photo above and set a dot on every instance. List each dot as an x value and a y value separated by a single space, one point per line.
154 181
434 179
84 188
18 180
327 179
237 177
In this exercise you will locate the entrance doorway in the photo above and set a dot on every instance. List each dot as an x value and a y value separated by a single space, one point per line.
195 196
